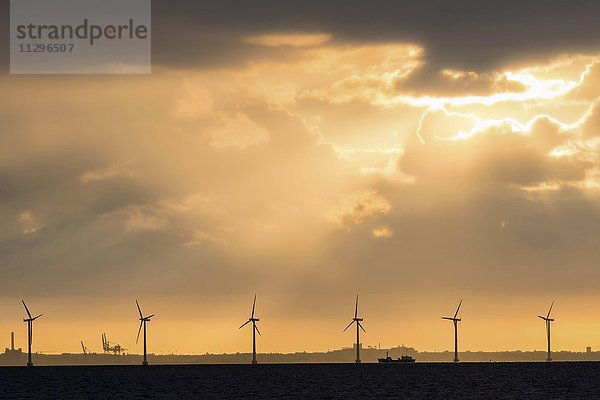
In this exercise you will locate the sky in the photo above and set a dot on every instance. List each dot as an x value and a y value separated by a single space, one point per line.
416 153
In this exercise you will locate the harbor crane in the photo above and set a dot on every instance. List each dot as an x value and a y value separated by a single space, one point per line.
111 347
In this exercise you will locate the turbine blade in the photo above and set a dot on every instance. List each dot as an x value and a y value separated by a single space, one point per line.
356 308
448 318
256 327
244 324
139 330
348 326
34 318
253 305
361 327
26 309
459 304
149 316
544 318
139 309
550 310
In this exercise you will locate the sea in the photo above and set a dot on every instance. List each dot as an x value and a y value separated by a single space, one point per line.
556 380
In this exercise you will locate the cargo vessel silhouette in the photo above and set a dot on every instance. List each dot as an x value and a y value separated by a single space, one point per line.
403 359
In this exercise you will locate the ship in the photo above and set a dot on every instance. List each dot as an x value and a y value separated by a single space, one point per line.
403 359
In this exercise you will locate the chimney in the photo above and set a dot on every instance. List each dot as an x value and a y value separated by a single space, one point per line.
12 340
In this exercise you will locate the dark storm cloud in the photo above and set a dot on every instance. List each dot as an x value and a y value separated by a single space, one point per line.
471 35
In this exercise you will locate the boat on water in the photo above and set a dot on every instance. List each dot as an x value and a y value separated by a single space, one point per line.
403 359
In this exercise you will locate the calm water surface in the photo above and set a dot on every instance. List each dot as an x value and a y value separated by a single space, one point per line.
559 380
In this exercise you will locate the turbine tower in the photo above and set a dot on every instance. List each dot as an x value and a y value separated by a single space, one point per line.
455 321
254 330
548 321
143 321
358 328
29 332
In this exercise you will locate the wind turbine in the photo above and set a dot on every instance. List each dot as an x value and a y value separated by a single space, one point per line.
358 328
29 332
143 321
455 321
254 330
548 321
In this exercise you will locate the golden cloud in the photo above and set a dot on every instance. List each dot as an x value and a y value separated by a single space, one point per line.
289 39
355 208
383 232
29 223
115 171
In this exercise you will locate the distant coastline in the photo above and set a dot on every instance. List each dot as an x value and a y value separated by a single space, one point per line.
370 355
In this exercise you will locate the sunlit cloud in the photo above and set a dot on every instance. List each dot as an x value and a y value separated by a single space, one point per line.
355 208
115 171
383 232
238 131
137 219
287 39
28 222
